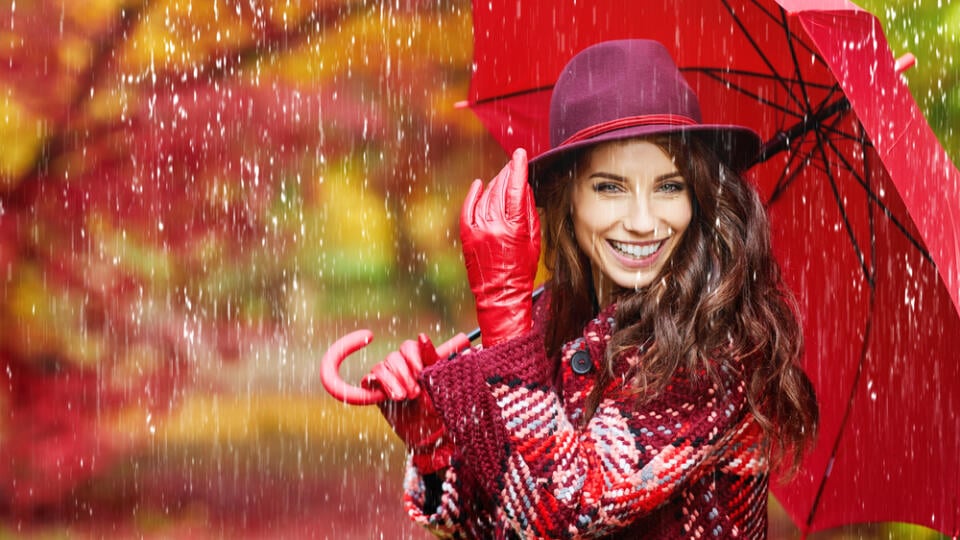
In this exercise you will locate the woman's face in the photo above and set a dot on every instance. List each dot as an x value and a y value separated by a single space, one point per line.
630 208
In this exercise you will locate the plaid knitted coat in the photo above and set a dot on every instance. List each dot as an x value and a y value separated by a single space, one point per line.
691 463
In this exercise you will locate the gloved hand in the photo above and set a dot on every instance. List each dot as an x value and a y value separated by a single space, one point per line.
409 410
500 234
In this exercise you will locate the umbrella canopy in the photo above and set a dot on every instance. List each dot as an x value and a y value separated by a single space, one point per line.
864 203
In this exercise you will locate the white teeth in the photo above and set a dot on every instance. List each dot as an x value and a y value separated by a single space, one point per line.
635 250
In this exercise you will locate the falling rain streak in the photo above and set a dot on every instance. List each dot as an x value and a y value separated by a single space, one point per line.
197 198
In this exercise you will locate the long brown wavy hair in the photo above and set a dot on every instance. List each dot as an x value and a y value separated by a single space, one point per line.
720 297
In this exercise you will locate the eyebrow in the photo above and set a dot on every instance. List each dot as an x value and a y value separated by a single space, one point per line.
611 176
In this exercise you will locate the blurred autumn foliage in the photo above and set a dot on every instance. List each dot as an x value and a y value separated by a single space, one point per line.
196 199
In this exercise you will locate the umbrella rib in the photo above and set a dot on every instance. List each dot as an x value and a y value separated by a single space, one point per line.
752 95
867 175
819 126
820 139
867 331
772 16
518 93
854 387
872 196
759 51
840 106
786 181
791 35
843 212
758 75
886 211
840 134
810 122
808 109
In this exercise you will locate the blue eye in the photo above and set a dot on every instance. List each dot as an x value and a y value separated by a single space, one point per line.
672 187
606 187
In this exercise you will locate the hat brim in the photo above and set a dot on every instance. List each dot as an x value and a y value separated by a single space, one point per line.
737 146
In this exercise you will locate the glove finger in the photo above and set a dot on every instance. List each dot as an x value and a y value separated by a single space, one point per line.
491 207
468 212
411 353
388 381
370 382
515 191
405 378
428 353
533 218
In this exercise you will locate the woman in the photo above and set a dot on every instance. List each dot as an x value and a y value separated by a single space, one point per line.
646 394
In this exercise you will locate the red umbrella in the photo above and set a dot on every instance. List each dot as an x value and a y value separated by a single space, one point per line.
864 204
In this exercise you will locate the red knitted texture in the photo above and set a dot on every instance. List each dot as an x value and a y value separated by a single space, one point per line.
689 464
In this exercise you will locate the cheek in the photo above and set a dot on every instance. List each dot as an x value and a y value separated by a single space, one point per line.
591 213
684 219
582 233
587 223
679 216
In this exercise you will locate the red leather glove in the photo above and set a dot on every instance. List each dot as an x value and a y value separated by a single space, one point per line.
409 410
500 233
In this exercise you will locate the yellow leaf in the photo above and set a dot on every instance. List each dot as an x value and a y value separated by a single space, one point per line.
352 228
94 15
179 35
40 320
21 136
237 419
378 41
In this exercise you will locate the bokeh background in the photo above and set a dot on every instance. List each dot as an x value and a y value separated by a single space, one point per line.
196 199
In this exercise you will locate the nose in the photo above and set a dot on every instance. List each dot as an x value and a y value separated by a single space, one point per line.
638 216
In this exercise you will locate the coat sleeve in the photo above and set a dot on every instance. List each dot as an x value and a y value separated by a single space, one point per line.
448 506
458 507
549 477
439 512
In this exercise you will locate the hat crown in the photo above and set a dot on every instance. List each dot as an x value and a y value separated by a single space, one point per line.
617 80
626 89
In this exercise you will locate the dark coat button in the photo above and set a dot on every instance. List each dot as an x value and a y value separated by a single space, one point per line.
581 362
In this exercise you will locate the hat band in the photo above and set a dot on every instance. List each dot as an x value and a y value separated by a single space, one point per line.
629 121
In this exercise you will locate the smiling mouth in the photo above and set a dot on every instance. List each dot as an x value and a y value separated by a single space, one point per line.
636 251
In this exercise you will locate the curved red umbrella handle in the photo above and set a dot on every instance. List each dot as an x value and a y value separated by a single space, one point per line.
330 370
353 342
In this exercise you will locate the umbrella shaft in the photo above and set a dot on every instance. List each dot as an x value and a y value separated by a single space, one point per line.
781 140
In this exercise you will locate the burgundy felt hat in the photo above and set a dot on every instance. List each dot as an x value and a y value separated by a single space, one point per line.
630 88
